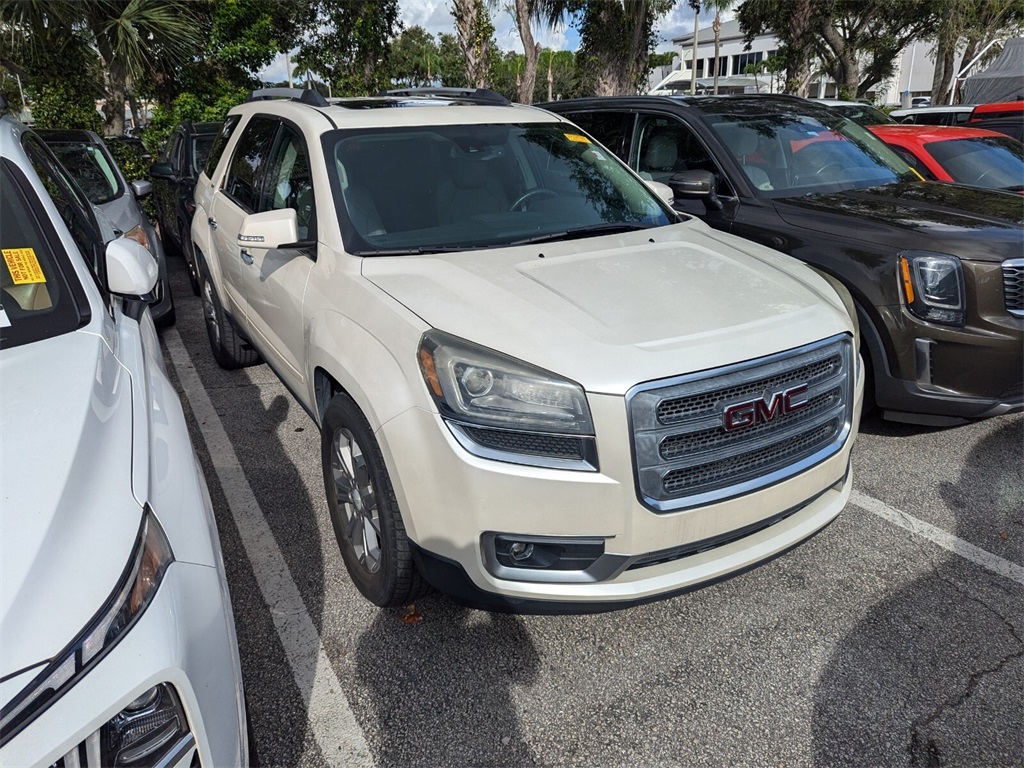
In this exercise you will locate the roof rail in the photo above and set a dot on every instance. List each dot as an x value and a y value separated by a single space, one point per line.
477 95
304 95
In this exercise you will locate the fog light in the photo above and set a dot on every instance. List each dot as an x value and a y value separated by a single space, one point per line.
520 551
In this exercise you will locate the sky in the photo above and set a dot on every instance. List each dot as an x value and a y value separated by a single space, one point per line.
435 17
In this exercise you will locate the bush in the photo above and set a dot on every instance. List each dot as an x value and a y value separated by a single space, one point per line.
57 106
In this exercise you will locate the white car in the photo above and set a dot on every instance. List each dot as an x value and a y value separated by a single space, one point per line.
117 641
538 388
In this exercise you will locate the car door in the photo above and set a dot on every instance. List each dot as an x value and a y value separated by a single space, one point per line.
233 200
165 191
275 279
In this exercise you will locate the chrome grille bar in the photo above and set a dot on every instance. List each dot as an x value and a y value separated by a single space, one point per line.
714 435
1013 286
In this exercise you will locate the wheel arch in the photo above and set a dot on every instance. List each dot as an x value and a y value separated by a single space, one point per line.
346 357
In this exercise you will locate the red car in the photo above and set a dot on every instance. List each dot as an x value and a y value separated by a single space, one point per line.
962 155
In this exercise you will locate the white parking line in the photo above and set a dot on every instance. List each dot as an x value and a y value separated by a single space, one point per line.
330 717
940 537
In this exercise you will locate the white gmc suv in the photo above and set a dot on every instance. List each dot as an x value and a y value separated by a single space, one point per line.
539 389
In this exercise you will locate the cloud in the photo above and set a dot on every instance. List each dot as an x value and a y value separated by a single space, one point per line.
678 22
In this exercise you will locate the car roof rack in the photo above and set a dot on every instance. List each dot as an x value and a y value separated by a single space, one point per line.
304 95
476 95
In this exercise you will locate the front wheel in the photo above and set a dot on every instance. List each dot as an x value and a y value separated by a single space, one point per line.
229 349
367 522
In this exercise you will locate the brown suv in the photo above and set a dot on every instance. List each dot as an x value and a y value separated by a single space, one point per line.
936 270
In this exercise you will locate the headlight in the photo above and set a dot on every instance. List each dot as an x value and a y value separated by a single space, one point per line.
499 407
138 234
933 286
134 592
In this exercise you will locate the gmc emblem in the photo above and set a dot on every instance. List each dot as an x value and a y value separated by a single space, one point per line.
773 404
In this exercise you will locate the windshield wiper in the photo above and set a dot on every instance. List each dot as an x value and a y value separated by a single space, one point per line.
588 231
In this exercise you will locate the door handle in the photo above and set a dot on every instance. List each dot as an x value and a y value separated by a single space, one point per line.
212 222
246 256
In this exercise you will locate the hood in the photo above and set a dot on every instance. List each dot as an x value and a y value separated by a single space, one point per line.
973 224
610 312
69 519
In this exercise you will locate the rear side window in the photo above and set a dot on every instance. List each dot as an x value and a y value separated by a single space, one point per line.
610 128
244 173
219 143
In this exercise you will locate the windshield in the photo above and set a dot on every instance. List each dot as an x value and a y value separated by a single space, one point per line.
444 188
989 161
92 169
35 297
786 155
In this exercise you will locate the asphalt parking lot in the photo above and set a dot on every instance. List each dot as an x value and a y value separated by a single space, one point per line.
894 637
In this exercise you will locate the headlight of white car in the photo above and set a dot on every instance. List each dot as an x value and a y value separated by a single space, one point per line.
139 583
501 408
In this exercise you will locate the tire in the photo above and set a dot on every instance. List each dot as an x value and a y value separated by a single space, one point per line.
189 254
229 349
367 522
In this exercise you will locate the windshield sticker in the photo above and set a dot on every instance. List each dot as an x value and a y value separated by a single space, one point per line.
23 266
918 174
5 322
577 138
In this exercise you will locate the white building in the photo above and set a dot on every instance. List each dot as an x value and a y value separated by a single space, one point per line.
914 67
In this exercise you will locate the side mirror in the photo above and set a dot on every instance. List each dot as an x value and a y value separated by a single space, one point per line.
161 171
131 269
269 229
141 188
664 191
696 185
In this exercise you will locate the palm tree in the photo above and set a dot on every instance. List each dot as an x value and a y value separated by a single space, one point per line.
135 38
719 7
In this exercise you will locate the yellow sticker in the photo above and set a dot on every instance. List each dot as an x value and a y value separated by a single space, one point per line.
576 137
918 174
23 266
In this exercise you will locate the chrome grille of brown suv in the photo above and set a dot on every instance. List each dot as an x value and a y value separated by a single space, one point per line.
1013 286
713 435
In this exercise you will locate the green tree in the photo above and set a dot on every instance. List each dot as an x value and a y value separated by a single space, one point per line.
413 58
968 24
347 42
616 42
451 69
857 40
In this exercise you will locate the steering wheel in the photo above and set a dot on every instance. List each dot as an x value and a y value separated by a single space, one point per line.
520 203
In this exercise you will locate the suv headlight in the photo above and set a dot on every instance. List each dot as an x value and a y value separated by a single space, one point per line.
502 408
933 286
133 594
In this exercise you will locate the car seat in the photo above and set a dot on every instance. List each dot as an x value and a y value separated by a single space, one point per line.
742 143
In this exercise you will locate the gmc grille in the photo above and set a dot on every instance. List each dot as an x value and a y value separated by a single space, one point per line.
710 436
1013 286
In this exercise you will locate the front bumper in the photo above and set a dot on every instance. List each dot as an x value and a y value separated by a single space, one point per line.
185 638
454 504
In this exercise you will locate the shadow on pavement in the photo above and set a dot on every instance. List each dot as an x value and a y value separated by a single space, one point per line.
442 691
920 680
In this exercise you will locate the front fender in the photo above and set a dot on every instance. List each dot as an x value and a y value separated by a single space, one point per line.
383 380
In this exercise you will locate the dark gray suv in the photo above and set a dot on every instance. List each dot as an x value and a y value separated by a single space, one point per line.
936 270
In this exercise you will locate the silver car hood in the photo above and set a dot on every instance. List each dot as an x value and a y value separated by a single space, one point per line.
68 518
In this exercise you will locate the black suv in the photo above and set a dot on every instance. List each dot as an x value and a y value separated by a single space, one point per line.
174 180
936 270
